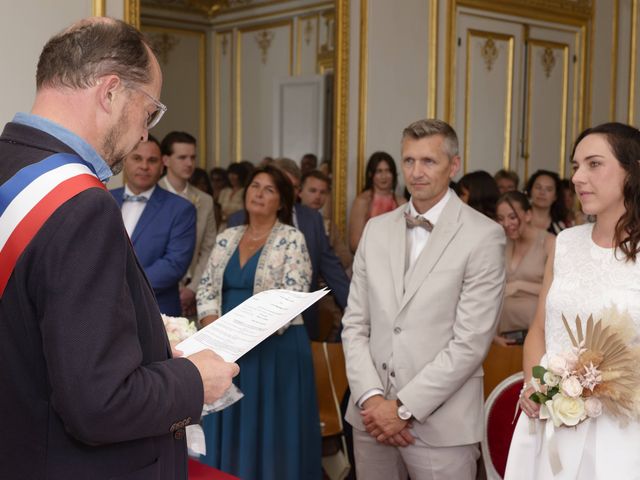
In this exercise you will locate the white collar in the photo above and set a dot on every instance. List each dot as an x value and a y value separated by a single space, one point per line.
147 193
173 190
433 214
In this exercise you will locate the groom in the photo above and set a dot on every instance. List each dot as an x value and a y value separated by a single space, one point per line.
424 300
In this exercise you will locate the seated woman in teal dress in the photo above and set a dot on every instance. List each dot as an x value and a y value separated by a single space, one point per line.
273 433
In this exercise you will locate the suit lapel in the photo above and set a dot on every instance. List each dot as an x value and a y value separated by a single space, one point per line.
397 247
444 231
150 210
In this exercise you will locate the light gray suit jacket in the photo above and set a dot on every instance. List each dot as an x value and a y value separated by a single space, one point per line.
205 231
431 334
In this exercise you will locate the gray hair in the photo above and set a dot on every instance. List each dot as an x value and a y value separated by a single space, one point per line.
431 126
92 48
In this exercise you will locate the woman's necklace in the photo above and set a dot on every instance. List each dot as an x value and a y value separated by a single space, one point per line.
256 237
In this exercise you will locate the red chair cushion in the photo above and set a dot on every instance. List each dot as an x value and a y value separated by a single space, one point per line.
200 471
500 425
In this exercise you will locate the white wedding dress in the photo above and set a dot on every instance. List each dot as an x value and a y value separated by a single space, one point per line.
587 280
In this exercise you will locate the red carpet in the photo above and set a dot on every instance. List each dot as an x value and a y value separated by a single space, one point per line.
200 471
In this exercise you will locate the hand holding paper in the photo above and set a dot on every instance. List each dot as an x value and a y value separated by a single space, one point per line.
255 319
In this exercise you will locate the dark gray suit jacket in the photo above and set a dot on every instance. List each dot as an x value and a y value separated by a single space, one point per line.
88 390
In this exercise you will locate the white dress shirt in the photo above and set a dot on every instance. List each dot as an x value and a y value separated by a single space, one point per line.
417 238
132 211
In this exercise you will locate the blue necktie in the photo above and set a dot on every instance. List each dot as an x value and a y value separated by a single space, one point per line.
134 198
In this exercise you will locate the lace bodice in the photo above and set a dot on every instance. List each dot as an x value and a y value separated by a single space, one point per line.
586 280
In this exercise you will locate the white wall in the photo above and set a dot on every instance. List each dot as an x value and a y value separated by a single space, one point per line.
23 33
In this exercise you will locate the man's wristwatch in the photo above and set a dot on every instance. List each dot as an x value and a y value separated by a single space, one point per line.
403 412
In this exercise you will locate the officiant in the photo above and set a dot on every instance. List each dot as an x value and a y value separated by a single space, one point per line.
274 431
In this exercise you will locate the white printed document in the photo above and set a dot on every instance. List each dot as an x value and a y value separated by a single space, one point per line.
255 319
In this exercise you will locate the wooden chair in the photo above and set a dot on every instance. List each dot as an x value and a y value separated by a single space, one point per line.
499 364
331 385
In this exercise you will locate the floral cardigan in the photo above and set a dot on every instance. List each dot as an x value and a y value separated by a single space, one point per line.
284 263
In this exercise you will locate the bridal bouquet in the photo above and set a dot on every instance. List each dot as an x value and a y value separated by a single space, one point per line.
600 373
178 328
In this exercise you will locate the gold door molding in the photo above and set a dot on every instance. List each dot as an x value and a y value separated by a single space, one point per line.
341 115
490 38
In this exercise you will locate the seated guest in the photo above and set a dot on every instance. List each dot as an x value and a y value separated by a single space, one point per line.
274 431
230 197
314 193
308 163
526 255
219 181
324 261
479 190
201 181
574 214
548 207
179 157
161 225
507 180
377 197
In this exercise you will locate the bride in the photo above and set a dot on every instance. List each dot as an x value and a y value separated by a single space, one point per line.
595 266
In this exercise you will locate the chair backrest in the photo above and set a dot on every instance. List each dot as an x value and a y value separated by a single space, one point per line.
499 422
331 384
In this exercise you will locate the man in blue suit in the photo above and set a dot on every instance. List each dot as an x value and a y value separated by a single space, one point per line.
161 225
324 261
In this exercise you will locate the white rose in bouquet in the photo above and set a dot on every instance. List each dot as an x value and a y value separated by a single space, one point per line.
593 407
564 410
551 379
571 386
558 365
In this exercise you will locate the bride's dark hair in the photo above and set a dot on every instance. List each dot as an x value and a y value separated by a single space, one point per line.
624 141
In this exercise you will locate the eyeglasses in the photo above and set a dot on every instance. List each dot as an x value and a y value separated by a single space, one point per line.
154 117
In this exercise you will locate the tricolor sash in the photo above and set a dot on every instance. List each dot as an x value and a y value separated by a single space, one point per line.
31 196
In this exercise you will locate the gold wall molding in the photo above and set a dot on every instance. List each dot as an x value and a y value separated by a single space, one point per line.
293 11
132 12
548 60
99 8
239 32
202 80
308 31
362 96
633 63
510 41
264 39
432 87
341 115
162 44
565 100
224 44
614 60
489 53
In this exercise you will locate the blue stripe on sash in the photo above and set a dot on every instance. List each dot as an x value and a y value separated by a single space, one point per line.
12 187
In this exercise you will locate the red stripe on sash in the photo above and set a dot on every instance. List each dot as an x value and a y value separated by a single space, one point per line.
37 216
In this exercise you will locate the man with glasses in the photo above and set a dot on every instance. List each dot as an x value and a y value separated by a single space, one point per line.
90 388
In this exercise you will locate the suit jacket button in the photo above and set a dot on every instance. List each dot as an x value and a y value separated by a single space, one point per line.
384 366
397 330
178 434
393 374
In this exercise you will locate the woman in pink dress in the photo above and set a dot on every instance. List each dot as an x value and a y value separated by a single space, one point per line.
378 196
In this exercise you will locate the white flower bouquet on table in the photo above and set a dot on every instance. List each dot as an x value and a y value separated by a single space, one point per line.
600 373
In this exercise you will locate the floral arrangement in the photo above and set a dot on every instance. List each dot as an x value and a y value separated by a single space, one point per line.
178 328
600 373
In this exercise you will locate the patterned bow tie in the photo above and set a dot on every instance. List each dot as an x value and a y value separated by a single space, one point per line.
134 198
418 221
